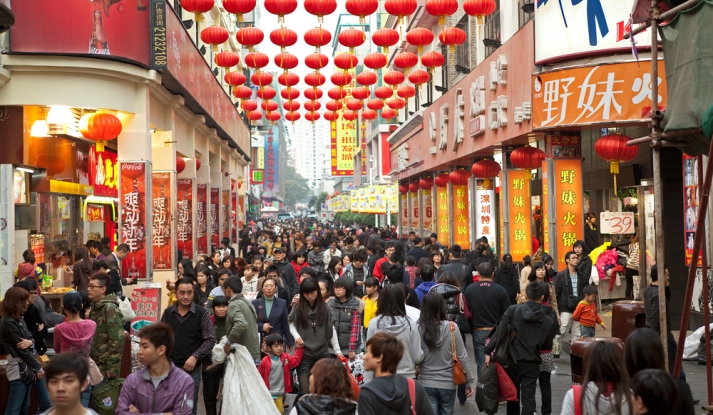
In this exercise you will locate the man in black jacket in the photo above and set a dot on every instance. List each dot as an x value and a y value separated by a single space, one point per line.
569 287
454 265
533 330
417 251
287 272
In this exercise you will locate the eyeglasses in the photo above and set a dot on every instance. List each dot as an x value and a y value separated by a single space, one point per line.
94 286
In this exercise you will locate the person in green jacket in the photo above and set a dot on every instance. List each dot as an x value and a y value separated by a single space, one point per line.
108 341
241 324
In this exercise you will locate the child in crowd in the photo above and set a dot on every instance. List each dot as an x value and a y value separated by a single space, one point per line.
371 300
586 312
250 279
275 368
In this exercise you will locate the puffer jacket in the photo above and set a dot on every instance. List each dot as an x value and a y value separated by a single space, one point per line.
449 294
345 315
321 404
316 260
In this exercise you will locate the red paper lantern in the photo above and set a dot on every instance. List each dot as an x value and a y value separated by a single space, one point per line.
315 79
288 79
368 114
320 8
527 157
313 94
334 105
383 92
214 36
286 61
350 115
485 169
394 78
419 77
442 180
354 104
198 164
403 189
242 92
400 8
452 36
459 177
613 149
227 59
479 8
361 92
388 113
250 36
362 8
180 165
405 60
375 104
256 60
337 93
255 115
406 91
100 126
419 37
248 105
261 79
269 105
366 78
351 38
198 7
272 117
426 183
291 106
331 116
239 7
317 37
267 92
283 37
341 78
413 187
432 59
312 116
442 9
280 8
385 38
290 93
396 103
234 78
345 61
375 60
292 116
316 61
312 106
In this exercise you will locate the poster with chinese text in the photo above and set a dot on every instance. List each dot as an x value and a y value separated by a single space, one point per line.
103 172
146 303
520 214
133 216
485 224
415 212
184 218
444 221
427 212
225 213
405 224
202 213
161 209
214 217
692 170
568 200
461 218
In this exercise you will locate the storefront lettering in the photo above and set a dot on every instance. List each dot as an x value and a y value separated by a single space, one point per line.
183 220
459 124
402 154
477 96
159 220
131 218
443 128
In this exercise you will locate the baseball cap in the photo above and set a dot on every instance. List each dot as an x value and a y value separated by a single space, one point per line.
280 250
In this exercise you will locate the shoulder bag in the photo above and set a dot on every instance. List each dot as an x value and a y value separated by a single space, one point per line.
412 394
458 371
27 375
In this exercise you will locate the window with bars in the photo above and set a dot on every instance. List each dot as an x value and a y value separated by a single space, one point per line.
463 50
444 68
491 32
526 12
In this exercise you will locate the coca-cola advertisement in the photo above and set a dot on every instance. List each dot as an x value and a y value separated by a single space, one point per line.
202 218
234 216
132 211
161 215
103 172
225 210
184 217
112 29
215 217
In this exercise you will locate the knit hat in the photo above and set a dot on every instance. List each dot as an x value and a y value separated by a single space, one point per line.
25 270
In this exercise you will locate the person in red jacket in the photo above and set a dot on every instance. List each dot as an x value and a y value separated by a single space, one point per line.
275 367
299 261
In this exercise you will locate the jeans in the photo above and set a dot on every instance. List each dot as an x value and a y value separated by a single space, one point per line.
568 324
587 331
672 356
479 337
546 392
86 395
524 376
18 401
196 375
211 384
442 400
303 372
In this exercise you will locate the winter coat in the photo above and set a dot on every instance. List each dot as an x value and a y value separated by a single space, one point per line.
25 270
389 395
327 257
406 330
74 337
278 318
564 290
174 393
423 289
81 271
344 315
33 318
289 277
322 404
316 260
108 341
509 279
241 325
12 332
288 362
534 330
606 405
297 267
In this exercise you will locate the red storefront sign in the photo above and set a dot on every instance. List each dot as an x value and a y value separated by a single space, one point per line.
202 218
103 172
161 214
95 212
146 303
184 217
404 215
568 202
215 216
132 208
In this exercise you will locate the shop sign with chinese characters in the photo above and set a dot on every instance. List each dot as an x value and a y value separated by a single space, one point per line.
146 303
224 213
461 221
545 209
132 209
520 211
343 141
202 218
215 216
444 221
272 168
103 172
184 222
94 212
692 171
568 200
427 212
485 224
161 215
415 211
404 214
595 95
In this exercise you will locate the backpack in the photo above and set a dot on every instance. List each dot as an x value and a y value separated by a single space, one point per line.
105 397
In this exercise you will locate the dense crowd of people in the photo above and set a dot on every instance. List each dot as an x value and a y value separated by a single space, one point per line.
348 318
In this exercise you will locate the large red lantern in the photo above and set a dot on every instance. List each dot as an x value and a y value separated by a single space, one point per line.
354 104
396 103
368 114
419 37
331 116
242 92
394 78
312 116
312 106
291 106
100 126
375 104
180 165
283 37
413 187
388 113
442 180
316 61
250 36
337 93
290 93
248 105
452 36
400 8
315 79
227 59
383 92
527 157
272 117
350 115
320 8
239 7
405 61
292 116
442 9
346 61
375 60
361 92
234 78
385 38
459 177
269 105
366 78
362 8
613 148
198 7
479 8
432 59
426 183
403 188
419 77
406 92
198 164
341 79
334 105
351 38
288 79
280 8
256 60
313 94
286 61
485 169
255 115
267 92
261 79
317 37
214 36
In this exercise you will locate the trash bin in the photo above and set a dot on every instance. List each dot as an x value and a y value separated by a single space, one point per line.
626 317
579 347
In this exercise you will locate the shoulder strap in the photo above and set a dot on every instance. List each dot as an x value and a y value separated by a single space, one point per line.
453 339
412 394
577 389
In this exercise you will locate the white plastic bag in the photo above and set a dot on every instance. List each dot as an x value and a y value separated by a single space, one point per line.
244 391
126 310
690 348
594 277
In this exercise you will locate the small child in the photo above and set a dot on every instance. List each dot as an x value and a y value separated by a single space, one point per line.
275 368
371 300
586 312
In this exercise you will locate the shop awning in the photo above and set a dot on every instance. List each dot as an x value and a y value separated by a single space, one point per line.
416 121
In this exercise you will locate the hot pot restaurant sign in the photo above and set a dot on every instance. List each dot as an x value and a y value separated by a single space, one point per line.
161 213
568 204
461 220
184 221
520 211
202 213
132 211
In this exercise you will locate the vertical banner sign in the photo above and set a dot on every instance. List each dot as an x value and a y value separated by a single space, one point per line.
103 172
427 212
461 222
444 222
520 214
484 210
568 198
224 210
362 200
234 217
272 178
691 177
161 215
415 211
202 219
354 200
501 215
132 208
371 199
545 211
184 221
215 217
344 138
382 198
404 215
146 303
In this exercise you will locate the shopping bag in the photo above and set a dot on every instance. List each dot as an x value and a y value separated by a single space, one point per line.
486 392
353 381
243 387
506 388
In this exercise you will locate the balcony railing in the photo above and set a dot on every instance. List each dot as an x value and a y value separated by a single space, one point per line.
491 33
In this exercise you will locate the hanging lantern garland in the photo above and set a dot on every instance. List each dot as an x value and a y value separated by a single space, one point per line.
280 8
250 36
198 7
400 8
442 9
485 169
313 94
317 37
431 60
405 61
351 38
239 7
362 8
100 126
385 38
320 8
283 37
214 36
528 158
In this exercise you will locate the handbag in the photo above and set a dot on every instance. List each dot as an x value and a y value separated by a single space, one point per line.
506 388
43 360
95 375
27 375
458 371
462 319
126 310
486 391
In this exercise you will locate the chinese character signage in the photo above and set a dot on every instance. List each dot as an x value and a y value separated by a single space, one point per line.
415 211
519 205
103 172
363 200
132 210
234 215
404 214
485 209
566 30
427 211
444 225
94 212
225 209
692 171
595 94
545 209
568 199
184 217
563 146
257 177
202 219
461 221
215 217
344 139
161 215
272 162
146 303
371 199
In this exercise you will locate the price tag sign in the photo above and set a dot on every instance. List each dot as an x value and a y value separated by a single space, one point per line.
616 223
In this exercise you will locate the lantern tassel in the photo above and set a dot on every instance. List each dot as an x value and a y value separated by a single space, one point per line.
362 20
215 48
100 147
386 51
199 17
240 18
441 20
280 19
